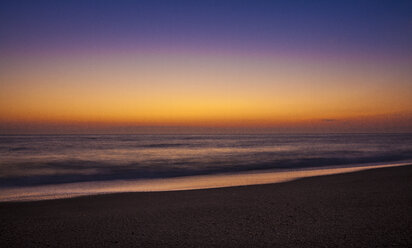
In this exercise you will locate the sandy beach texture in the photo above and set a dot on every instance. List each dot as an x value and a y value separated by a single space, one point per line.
370 208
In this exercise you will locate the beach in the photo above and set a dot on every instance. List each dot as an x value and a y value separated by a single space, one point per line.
369 208
205 124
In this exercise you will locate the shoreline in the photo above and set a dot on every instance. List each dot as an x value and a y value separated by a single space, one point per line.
368 208
198 182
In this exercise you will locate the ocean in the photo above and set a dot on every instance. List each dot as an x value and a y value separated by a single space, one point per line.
33 160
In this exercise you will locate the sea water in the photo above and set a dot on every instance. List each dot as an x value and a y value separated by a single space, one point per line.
32 160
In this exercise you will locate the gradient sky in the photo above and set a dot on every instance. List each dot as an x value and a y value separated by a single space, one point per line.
174 66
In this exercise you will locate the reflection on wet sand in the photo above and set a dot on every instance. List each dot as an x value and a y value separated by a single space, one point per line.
174 184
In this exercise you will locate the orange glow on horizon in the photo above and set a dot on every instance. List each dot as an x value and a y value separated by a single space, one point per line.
182 91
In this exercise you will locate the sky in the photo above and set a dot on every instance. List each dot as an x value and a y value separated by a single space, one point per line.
205 66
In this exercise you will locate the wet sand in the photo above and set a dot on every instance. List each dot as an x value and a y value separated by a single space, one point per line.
370 208
68 190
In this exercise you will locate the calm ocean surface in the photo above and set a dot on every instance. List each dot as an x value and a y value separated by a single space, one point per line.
54 159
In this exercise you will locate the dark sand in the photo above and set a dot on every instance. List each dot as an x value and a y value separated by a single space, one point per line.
370 208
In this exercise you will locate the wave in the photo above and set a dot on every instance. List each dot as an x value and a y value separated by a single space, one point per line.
67 171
